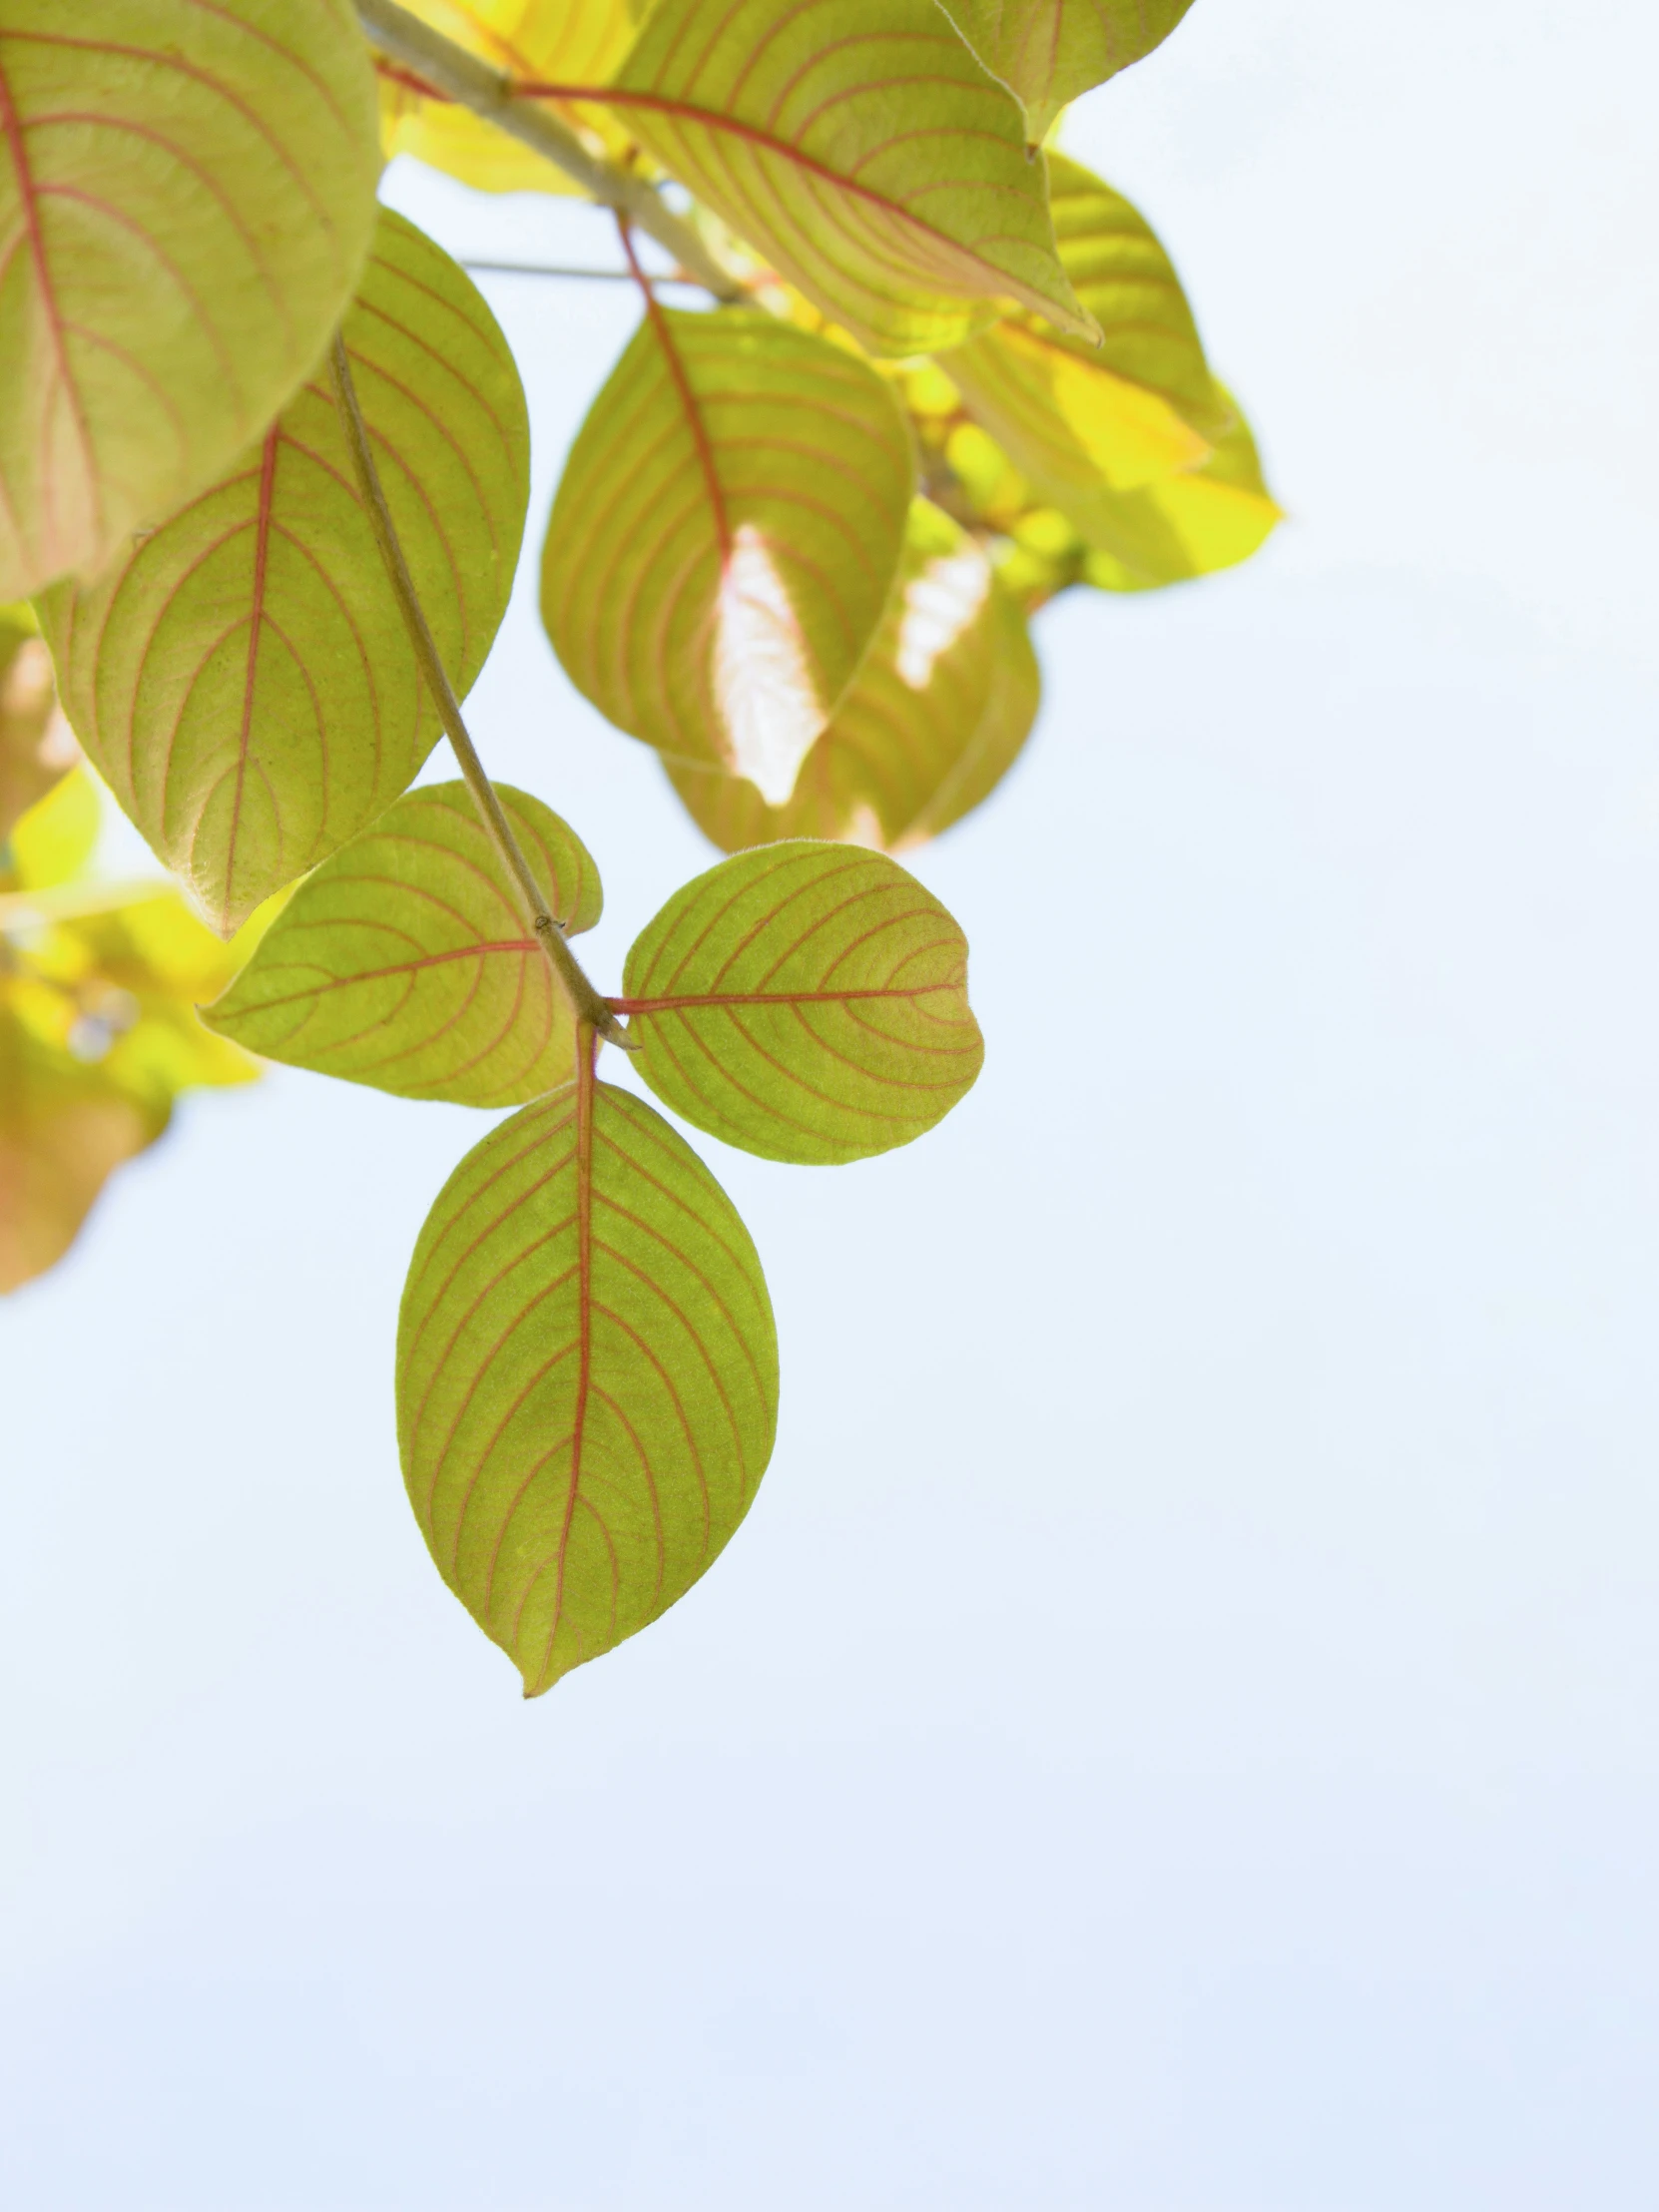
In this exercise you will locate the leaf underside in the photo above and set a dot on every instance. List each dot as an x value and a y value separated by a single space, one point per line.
805 1001
153 315
404 961
243 680
1047 52
587 1376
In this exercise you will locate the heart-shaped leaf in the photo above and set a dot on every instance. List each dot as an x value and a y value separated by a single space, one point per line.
404 961
724 539
1048 51
934 717
1084 420
186 195
805 1001
862 149
244 681
587 1376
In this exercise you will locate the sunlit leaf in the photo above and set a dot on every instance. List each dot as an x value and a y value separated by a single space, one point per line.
1048 51
805 1001
36 746
724 539
404 961
55 838
1082 421
186 194
587 1376
935 715
244 681
862 149
1187 526
583 40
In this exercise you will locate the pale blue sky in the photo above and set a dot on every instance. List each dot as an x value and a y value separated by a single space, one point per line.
1178 1729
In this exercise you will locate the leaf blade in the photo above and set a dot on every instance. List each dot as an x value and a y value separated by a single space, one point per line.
1047 52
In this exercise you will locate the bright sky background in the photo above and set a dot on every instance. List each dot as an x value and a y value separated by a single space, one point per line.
1177 1731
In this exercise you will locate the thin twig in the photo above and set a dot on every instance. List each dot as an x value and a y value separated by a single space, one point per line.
588 1005
451 70
588 275
80 901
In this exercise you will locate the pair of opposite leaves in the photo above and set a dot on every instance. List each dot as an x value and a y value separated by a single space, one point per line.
587 1370
160 315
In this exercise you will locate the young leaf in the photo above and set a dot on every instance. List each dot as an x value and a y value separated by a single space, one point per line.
1048 51
186 194
243 680
805 1001
934 717
723 541
404 961
587 1376
36 748
863 149
1082 421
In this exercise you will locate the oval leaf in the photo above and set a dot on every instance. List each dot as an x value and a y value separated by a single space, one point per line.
404 961
805 1001
244 681
186 195
863 149
934 719
587 1376
723 541
1048 51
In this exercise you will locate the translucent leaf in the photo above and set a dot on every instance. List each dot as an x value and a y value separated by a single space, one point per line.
860 148
36 746
244 681
527 39
64 1129
1187 526
404 961
54 840
935 715
587 1376
724 537
805 1001
186 195
1048 51
1082 421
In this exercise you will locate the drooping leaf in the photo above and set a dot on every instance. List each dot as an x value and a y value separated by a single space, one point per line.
36 746
587 1376
724 537
1047 52
1082 421
863 149
583 40
934 717
186 194
404 961
243 680
805 1001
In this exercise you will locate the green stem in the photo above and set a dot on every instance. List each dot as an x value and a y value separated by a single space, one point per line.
461 75
585 1001
78 901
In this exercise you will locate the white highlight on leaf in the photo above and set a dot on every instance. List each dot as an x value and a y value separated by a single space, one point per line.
939 604
763 686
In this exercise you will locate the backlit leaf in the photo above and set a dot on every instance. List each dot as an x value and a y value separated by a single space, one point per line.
587 1376
404 961
578 39
805 1001
1048 51
1082 421
862 149
186 194
934 717
243 680
36 746
724 539
1186 526
63 1132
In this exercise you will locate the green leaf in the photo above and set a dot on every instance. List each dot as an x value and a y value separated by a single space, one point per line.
805 1001
860 148
36 748
1187 526
587 1376
404 961
244 681
934 719
1048 51
723 542
1081 422
186 194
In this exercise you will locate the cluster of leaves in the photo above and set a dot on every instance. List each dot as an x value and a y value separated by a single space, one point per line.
264 471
